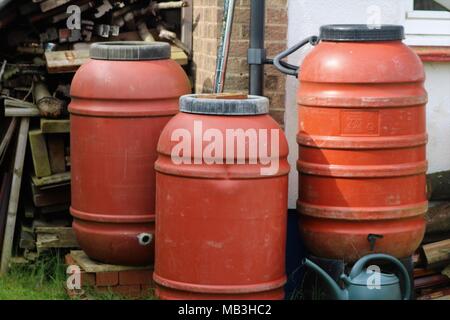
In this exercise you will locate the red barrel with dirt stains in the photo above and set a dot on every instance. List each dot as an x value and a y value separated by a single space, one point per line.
221 202
121 100
362 140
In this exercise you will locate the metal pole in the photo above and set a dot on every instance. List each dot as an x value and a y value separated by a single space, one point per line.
222 55
257 52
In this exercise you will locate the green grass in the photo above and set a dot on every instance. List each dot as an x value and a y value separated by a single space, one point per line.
43 280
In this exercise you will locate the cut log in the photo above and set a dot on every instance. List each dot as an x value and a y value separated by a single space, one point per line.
437 253
48 105
438 185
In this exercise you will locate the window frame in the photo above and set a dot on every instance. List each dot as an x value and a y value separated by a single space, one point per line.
426 28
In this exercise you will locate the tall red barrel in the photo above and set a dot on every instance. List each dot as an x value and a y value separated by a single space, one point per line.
121 100
362 141
221 202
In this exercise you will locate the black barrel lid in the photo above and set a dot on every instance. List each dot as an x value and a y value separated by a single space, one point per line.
201 104
361 32
130 50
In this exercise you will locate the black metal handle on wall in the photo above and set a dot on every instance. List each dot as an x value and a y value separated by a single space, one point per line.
287 68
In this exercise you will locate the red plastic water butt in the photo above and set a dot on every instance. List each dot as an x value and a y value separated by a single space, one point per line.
362 140
121 100
220 228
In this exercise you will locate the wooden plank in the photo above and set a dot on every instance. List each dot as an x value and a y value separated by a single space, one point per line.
179 56
58 178
39 153
49 197
65 61
22 112
89 265
56 153
27 240
55 237
14 195
443 294
70 61
52 4
55 125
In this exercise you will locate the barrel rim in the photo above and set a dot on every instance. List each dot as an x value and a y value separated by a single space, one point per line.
224 289
253 105
109 218
361 32
129 51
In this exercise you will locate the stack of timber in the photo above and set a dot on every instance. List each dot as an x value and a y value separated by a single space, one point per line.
432 266
44 42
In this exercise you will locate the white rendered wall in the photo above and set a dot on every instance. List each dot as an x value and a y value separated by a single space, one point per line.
305 18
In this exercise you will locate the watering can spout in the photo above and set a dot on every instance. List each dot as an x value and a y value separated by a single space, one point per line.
337 292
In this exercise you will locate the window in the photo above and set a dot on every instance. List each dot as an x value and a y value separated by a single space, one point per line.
427 22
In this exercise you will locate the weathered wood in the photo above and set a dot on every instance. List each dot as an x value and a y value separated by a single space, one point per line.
55 125
442 294
144 33
52 4
49 197
55 209
39 153
22 112
446 271
65 61
437 253
156 6
89 265
48 105
16 103
438 218
4 196
14 195
55 237
7 137
422 272
27 240
58 178
56 155
438 185
431 281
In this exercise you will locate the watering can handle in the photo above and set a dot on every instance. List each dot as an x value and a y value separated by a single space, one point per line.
287 68
361 263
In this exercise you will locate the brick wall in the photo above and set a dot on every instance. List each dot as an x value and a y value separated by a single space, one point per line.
208 15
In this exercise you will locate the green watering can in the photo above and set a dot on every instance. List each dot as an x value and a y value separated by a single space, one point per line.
359 285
